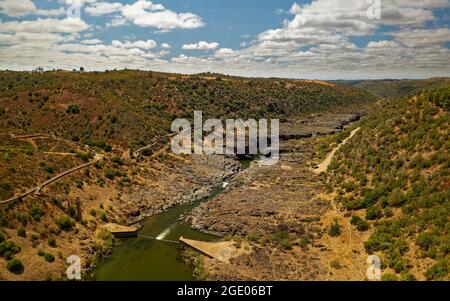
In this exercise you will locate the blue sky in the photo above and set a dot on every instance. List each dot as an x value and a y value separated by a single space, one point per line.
324 39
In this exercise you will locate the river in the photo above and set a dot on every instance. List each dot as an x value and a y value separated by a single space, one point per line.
151 259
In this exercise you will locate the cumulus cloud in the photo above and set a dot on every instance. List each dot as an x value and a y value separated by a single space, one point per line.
318 39
67 25
146 14
103 8
149 44
202 45
91 41
19 8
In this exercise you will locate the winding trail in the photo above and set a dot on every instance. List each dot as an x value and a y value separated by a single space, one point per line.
38 188
322 167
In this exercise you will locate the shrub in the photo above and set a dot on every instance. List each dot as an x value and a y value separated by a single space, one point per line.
49 169
427 240
49 257
22 218
79 184
283 238
64 223
253 236
8 249
438 271
36 213
396 198
15 266
71 211
117 160
286 244
52 242
361 225
110 174
73 109
373 213
57 202
103 216
388 277
21 232
83 156
146 152
335 229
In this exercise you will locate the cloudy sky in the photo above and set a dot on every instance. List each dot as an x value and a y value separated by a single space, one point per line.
319 39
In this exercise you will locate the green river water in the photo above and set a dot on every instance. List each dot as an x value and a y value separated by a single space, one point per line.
148 259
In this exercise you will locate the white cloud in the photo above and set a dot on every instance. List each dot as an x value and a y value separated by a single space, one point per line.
422 37
19 8
67 25
91 41
315 41
149 44
103 8
146 14
16 8
202 45
117 22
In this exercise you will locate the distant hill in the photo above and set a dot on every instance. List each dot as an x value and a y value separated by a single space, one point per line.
392 89
129 107
393 178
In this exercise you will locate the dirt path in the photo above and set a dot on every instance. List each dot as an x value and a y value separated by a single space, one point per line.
38 188
322 167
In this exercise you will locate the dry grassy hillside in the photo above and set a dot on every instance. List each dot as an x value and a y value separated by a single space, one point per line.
393 179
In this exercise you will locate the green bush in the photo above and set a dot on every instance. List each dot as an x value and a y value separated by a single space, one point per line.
373 213
71 211
438 271
52 242
117 160
361 225
15 266
110 174
64 223
49 257
73 109
21 232
426 240
389 277
335 229
22 218
36 213
283 238
103 216
8 249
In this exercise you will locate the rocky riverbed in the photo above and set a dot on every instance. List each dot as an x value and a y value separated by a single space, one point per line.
279 209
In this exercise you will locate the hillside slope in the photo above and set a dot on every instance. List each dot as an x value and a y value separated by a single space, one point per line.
129 108
393 89
393 178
